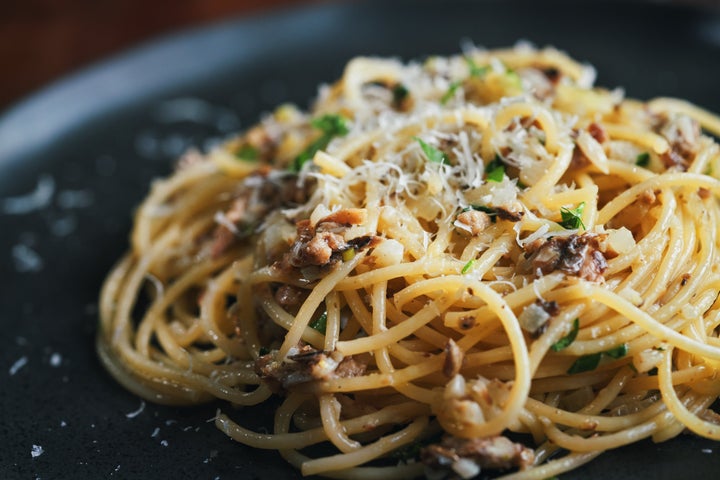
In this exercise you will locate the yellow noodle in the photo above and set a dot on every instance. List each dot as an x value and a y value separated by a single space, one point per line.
458 247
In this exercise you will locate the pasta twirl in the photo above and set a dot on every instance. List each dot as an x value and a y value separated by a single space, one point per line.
435 257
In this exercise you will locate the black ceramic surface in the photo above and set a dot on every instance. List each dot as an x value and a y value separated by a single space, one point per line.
95 140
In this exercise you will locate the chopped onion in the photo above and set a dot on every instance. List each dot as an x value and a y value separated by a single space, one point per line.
533 317
620 240
466 468
455 387
648 359
389 252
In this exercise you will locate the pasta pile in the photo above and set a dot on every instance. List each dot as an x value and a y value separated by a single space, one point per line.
435 258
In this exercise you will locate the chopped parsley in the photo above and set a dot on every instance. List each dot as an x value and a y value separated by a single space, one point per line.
400 93
590 362
565 341
514 78
468 266
450 91
348 254
331 126
617 352
642 160
495 170
585 363
246 229
320 323
247 153
572 217
475 69
432 153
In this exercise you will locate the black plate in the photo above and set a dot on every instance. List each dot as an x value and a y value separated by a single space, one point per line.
102 135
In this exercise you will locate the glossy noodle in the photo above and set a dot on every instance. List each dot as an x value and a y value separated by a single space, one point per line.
436 258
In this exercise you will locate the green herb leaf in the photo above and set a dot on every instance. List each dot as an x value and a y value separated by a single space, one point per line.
565 341
246 229
514 78
348 254
332 126
467 266
320 324
617 352
572 217
432 153
585 363
247 153
263 351
590 362
642 160
308 153
475 69
400 93
408 452
450 91
495 170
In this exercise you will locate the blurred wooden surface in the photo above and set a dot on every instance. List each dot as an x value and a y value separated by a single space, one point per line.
40 40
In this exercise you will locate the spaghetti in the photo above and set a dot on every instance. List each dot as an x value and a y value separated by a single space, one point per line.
437 255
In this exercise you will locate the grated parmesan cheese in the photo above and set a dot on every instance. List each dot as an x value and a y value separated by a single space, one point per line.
26 259
36 451
55 360
138 411
68 199
19 363
466 468
35 200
